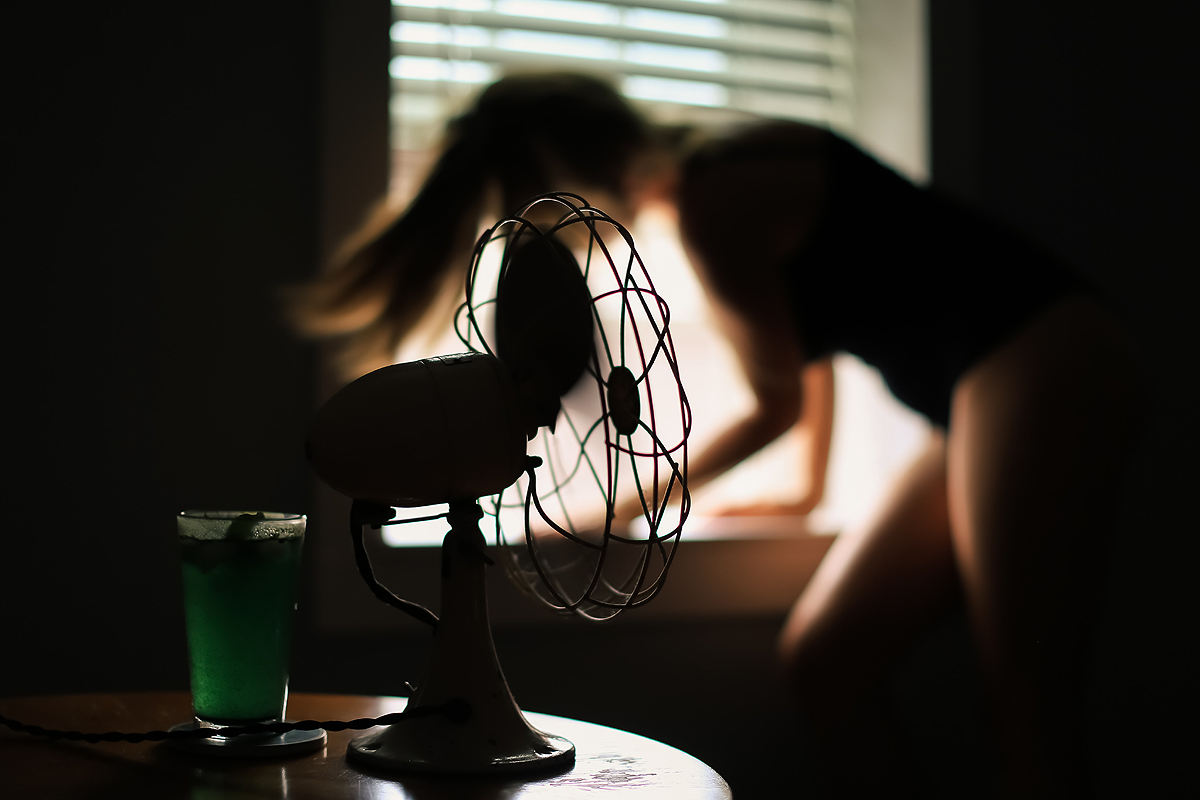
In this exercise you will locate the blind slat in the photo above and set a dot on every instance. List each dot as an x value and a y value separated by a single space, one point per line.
826 49
798 13
809 14
766 77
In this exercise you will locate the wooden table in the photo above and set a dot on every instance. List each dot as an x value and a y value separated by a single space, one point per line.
607 760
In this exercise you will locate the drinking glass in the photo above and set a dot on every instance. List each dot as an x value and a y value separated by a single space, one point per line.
240 577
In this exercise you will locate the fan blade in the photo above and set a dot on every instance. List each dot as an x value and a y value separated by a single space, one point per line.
544 324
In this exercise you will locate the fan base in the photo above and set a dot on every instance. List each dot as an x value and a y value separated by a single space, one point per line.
433 745
475 726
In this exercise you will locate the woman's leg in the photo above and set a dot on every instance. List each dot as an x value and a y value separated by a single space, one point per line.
1038 434
875 590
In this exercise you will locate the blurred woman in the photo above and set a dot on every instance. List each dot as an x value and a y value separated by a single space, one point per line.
808 247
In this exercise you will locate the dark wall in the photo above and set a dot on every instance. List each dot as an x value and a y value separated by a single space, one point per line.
169 185
1069 121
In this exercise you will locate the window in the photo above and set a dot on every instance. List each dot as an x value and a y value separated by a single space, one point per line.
854 67
681 59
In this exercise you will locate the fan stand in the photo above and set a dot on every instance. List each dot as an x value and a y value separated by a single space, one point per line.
474 725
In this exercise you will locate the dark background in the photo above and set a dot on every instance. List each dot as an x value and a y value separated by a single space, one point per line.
171 169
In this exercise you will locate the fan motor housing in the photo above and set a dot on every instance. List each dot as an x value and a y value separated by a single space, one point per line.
422 433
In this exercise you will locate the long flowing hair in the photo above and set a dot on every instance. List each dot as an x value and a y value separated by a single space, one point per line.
524 135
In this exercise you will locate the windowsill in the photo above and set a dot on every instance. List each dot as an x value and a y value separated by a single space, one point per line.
760 572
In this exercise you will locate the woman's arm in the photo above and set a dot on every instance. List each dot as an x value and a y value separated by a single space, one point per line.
741 222
769 353
771 363
816 422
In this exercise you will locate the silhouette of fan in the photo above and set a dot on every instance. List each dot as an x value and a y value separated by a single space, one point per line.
570 392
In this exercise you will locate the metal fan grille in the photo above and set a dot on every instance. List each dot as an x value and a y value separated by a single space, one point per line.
621 436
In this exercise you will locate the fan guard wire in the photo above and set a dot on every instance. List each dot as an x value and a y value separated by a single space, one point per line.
590 581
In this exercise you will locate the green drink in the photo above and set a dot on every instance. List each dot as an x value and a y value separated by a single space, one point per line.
240 575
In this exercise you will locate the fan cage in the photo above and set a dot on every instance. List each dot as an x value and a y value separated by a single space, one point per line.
600 513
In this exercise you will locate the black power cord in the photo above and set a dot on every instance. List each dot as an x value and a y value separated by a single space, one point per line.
456 710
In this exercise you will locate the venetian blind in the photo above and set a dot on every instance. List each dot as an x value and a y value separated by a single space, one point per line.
780 58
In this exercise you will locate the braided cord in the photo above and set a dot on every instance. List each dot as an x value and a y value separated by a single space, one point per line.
456 710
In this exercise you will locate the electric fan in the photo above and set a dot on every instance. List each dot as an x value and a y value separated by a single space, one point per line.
565 412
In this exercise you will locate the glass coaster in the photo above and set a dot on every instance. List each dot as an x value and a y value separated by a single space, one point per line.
260 745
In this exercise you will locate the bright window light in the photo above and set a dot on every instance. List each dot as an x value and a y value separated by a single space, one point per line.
693 93
422 32
674 22
429 533
415 68
416 106
434 33
663 55
594 13
558 44
459 5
